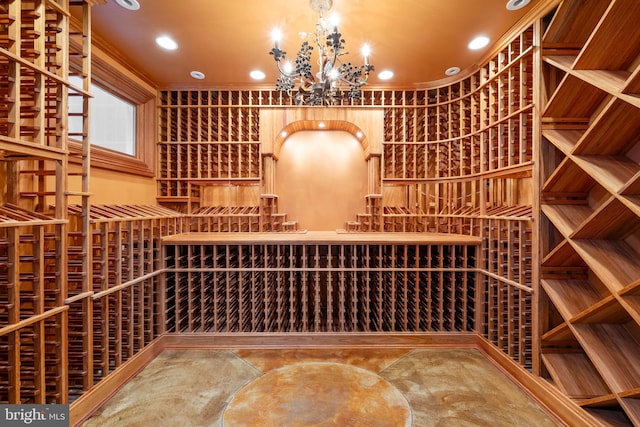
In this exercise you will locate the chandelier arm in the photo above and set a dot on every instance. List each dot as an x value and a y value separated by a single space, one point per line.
291 75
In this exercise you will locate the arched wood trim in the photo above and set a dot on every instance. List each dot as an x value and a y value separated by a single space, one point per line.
333 125
275 121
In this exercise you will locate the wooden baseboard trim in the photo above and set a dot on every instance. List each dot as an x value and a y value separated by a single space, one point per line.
317 340
93 399
562 407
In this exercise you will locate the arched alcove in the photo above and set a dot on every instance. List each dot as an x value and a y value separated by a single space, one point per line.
364 124
321 178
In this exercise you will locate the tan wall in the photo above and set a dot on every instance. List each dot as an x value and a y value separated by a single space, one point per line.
111 187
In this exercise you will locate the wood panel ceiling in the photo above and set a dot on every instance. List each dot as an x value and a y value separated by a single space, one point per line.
226 39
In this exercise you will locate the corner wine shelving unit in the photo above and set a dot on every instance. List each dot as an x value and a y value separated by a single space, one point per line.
459 159
590 273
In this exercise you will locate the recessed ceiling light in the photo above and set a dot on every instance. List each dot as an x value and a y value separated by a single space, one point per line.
321 125
479 42
385 75
166 42
197 75
257 75
359 134
283 134
129 4
452 71
517 4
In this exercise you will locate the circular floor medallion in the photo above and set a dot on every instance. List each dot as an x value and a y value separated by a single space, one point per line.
318 394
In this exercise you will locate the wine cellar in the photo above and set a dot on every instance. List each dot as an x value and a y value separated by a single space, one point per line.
504 205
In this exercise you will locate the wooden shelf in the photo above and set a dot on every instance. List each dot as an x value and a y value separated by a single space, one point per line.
615 262
575 375
611 131
562 255
573 102
572 296
615 352
590 271
614 172
568 181
562 33
617 27
567 218
613 221
610 415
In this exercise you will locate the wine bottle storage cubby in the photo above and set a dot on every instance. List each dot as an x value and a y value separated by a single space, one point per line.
481 124
207 136
123 301
507 322
225 219
318 287
591 216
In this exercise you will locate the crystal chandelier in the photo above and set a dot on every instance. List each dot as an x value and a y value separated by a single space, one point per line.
335 80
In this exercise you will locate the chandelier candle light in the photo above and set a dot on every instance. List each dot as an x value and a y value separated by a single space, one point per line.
335 80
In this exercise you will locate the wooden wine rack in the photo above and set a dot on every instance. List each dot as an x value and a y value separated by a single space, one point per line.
31 301
38 52
590 273
319 282
123 300
206 137
82 294
226 219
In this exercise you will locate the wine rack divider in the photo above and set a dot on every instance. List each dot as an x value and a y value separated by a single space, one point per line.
590 223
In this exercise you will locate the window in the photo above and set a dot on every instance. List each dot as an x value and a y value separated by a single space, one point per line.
122 96
112 120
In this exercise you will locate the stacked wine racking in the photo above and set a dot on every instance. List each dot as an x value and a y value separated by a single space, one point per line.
319 282
206 137
590 272
117 317
226 218
38 52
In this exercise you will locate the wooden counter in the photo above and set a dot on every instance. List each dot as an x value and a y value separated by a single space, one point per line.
322 237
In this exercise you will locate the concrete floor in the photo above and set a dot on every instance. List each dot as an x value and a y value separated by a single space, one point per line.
356 387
